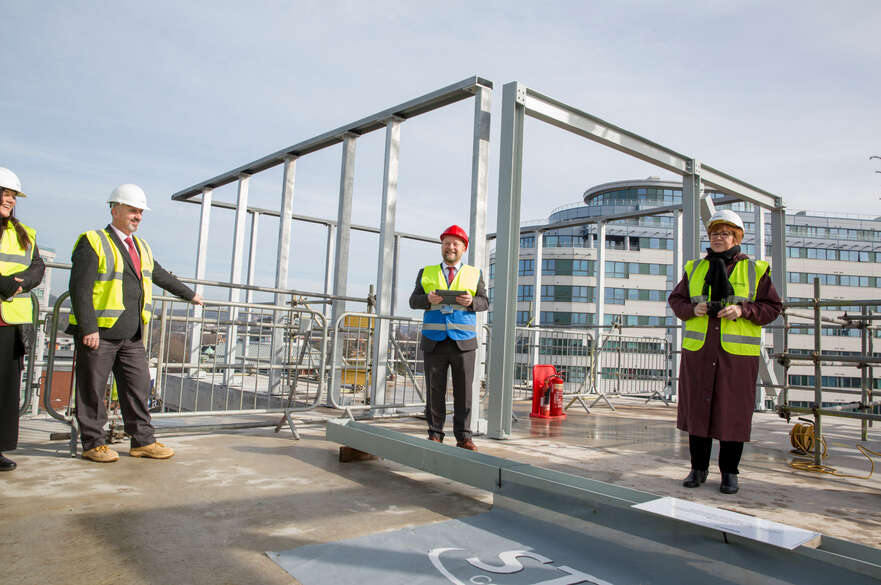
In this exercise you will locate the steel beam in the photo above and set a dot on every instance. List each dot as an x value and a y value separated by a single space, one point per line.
235 271
281 267
600 271
343 235
536 294
477 251
195 349
501 360
384 272
691 210
426 103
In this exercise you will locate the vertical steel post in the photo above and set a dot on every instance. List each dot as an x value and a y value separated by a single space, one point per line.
277 351
395 267
328 265
477 251
195 350
678 328
501 361
343 237
691 204
778 275
384 272
235 272
249 294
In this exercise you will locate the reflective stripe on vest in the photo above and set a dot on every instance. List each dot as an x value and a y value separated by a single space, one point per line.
738 337
460 323
107 289
19 309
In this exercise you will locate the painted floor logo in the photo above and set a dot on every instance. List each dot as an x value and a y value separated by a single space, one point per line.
459 570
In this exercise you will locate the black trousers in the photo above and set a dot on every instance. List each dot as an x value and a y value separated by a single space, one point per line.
729 453
11 350
128 361
447 356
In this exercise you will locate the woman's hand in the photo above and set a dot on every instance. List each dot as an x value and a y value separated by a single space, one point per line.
700 309
731 312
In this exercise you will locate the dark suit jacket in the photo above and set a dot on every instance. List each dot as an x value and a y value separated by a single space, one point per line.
419 300
82 279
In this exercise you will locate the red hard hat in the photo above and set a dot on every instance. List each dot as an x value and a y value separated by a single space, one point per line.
455 230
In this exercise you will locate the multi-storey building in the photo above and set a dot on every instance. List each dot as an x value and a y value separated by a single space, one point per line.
844 252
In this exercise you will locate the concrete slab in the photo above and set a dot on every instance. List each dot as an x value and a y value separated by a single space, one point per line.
208 514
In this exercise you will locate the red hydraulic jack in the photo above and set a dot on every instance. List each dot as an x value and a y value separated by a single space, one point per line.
547 393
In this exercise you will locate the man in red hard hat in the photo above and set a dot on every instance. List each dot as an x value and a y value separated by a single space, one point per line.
450 293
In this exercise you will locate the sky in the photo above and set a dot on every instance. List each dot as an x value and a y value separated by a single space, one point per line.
783 95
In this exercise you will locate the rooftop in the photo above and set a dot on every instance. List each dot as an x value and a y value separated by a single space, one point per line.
209 514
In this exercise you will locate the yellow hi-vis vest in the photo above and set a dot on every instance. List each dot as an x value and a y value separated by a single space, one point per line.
460 323
739 337
14 259
107 290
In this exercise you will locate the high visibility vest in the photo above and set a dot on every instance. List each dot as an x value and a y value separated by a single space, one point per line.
739 337
107 289
460 323
18 309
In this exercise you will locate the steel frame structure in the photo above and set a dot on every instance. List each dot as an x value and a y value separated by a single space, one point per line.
518 102
337 255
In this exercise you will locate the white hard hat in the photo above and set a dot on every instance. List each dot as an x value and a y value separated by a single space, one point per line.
130 195
726 216
9 180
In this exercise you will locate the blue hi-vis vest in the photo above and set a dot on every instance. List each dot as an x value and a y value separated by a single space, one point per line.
458 324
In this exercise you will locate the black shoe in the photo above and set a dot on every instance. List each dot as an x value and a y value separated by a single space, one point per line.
695 478
6 464
729 483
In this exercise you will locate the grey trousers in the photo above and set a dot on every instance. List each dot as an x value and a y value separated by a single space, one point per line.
128 361
447 355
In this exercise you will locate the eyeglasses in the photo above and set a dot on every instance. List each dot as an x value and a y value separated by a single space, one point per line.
724 235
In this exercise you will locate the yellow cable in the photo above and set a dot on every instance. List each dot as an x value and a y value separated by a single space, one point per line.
802 438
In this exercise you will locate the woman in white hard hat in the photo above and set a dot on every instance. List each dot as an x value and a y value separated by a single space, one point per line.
21 269
724 298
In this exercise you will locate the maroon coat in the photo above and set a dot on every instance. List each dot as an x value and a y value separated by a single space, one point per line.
717 390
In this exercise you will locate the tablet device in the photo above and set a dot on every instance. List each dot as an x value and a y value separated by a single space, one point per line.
449 296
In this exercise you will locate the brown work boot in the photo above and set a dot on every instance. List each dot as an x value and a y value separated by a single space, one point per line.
101 454
154 451
467 444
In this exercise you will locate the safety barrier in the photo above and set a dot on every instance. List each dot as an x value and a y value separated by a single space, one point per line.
632 366
33 344
223 358
355 342
570 351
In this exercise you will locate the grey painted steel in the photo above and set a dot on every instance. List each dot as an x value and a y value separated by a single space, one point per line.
431 101
283 262
600 271
477 251
778 275
691 192
536 295
201 266
676 332
235 271
384 271
396 265
343 238
252 255
328 263
501 360
603 504
312 219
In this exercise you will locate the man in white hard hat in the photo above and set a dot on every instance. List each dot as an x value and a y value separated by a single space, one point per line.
111 282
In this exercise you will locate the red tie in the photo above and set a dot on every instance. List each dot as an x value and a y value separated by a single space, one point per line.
452 274
135 259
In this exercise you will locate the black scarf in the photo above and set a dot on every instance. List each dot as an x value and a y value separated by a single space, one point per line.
717 275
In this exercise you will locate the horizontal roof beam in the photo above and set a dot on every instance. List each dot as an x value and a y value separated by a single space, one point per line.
430 101
309 219
574 120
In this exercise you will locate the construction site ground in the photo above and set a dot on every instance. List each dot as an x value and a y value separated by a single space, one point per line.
209 514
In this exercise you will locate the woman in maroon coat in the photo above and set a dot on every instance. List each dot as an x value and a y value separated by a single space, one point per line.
716 387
